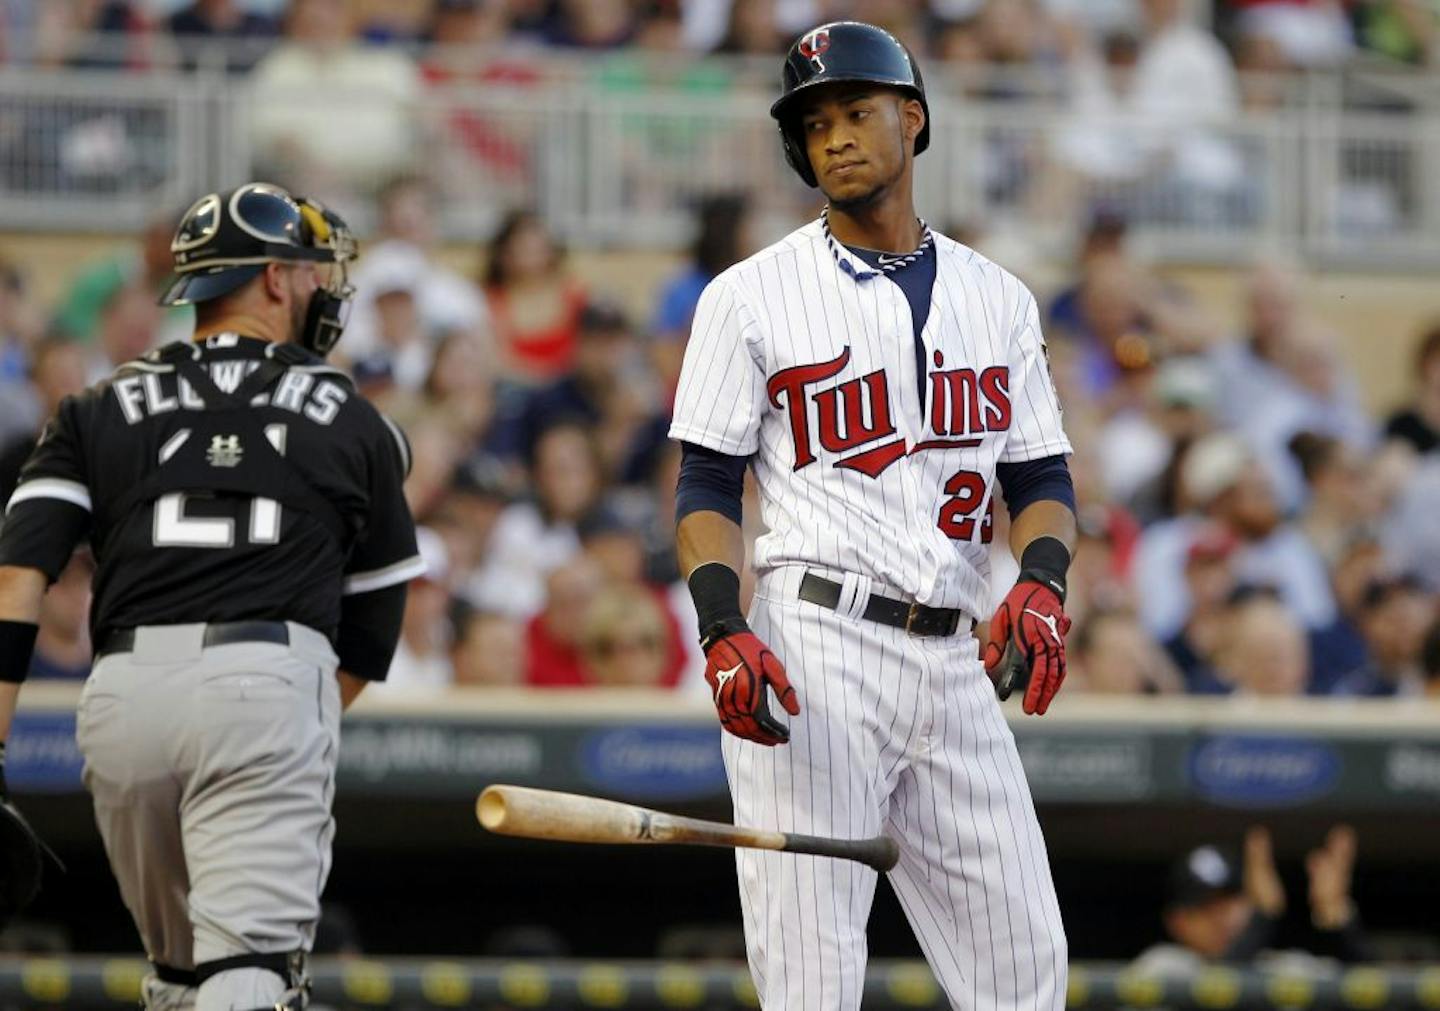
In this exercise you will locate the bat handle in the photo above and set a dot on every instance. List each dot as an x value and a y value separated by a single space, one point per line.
1012 672
881 853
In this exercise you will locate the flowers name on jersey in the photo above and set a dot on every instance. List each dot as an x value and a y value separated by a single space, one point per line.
854 420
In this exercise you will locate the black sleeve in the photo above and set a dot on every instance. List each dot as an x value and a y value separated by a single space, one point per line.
386 554
709 480
369 631
1034 481
50 510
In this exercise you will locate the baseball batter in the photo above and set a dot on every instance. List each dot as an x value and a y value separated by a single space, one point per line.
885 384
253 546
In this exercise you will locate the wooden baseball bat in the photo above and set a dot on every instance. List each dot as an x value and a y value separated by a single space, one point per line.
570 817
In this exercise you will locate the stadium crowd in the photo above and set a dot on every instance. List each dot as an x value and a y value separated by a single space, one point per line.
1246 526
1264 34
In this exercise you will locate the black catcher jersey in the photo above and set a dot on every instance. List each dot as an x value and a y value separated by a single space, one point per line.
224 480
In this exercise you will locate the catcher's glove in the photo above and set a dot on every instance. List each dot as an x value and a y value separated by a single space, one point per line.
20 855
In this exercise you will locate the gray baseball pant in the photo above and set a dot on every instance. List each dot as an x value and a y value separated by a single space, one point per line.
212 771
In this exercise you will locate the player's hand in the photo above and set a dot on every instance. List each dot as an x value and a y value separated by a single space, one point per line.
738 667
1027 645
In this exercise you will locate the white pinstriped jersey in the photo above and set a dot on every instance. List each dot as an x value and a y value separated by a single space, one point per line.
803 357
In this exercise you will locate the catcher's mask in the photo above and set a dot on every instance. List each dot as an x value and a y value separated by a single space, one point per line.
225 239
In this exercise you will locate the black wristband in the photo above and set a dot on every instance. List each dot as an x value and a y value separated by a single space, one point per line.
1045 560
715 589
17 646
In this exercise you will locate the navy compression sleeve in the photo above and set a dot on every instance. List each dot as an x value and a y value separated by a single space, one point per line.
709 480
1036 481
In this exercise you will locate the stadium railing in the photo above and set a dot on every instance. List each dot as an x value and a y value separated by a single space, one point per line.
617 159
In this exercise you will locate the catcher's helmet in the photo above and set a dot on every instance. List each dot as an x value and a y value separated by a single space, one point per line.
842 51
225 239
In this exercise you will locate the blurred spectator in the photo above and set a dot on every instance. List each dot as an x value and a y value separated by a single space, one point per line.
624 639
436 449
1099 576
1430 661
613 541
402 258
1264 651
1156 110
1220 910
1136 443
1341 496
62 647
220 32
1284 378
148 266
706 23
552 637
604 389
1312 34
1107 330
592 24
533 538
1395 615
1222 485
753 30
534 303
1181 408
1210 582
1418 424
330 115
129 326
1404 30
57 371
89 34
18 328
489 650
422 657
461 384
1410 533
722 239
404 351
473 42
1112 654
480 488
1339 650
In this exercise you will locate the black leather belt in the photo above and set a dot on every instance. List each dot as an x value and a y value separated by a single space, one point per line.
917 619
224 633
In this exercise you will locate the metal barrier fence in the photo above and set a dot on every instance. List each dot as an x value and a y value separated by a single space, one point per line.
102 983
617 160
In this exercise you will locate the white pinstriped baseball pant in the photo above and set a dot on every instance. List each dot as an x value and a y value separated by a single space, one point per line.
902 735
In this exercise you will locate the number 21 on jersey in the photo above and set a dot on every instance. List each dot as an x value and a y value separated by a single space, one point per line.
174 529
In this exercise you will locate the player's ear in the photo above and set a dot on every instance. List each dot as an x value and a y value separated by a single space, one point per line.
912 117
275 280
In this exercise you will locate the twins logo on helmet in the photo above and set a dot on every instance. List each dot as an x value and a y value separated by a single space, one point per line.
813 46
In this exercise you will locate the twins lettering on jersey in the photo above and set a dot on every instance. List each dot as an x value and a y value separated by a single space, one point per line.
964 406
142 394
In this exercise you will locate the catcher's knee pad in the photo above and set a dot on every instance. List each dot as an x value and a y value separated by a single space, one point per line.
168 989
288 965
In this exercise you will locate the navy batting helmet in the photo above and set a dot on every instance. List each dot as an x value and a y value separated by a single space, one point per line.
842 51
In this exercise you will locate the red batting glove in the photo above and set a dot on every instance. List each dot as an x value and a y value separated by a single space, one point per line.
738 667
1027 641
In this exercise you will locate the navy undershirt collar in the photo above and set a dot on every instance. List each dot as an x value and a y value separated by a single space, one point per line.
914 272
